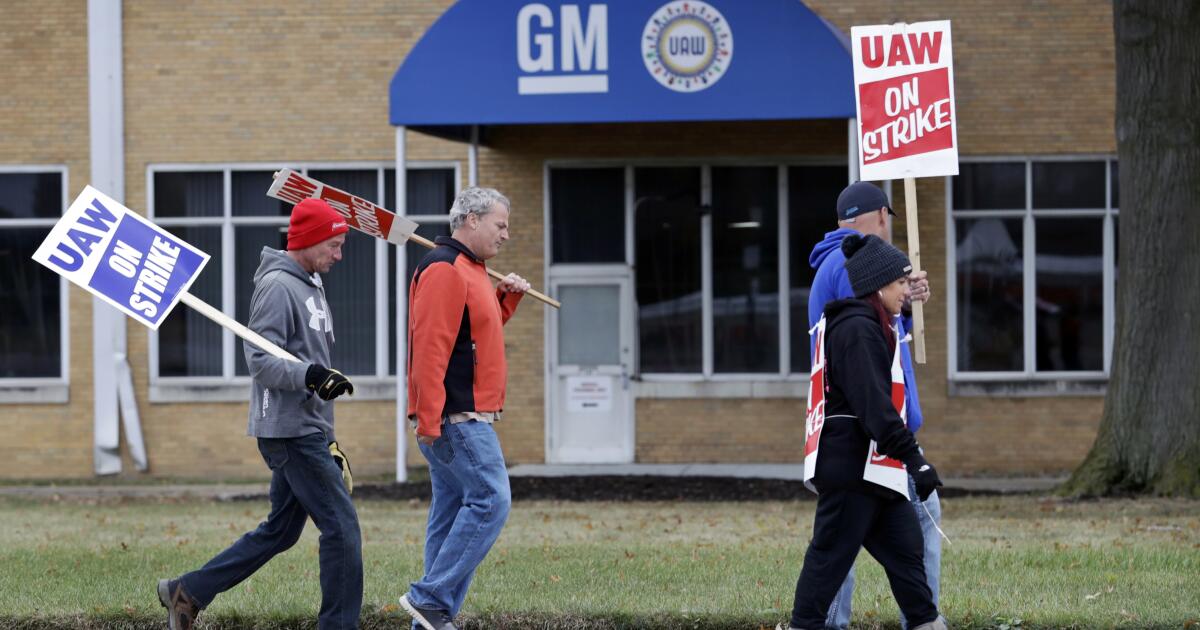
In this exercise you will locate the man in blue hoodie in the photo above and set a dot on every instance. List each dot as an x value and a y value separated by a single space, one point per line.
863 208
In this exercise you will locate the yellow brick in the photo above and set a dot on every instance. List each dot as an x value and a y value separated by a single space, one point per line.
202 85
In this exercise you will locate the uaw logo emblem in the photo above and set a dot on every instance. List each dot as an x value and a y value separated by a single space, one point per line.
687 46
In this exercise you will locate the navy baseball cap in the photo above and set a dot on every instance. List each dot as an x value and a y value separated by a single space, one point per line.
861 198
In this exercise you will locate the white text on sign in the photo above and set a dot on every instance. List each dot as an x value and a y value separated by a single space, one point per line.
583 50
914 124
152 280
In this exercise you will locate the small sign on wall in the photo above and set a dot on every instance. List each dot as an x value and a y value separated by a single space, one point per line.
589 393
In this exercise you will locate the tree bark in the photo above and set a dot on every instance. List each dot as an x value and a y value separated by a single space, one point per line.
1149 438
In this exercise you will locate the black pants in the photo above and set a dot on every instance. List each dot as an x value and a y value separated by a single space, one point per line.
305 483
889 531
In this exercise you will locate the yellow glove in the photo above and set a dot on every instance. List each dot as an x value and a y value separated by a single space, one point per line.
344 464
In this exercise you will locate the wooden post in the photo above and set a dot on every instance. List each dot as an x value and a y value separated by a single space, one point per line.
537 295
914 256
226 321
393 236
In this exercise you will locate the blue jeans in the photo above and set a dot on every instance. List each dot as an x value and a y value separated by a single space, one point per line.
305 481
839 609
471 500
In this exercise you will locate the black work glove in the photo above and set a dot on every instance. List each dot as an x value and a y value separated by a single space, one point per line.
925 477
327 383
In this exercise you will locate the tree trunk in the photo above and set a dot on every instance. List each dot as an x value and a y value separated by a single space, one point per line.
1149 440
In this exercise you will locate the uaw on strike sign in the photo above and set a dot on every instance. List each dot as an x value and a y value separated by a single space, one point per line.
904 90
360 214
121 257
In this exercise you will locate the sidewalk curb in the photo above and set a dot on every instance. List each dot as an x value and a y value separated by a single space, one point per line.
612 482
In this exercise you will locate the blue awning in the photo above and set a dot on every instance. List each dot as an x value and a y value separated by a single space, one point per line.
504 62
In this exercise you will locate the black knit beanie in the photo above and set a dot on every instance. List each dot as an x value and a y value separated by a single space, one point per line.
872 263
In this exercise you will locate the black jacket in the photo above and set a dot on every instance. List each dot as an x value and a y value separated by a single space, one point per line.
858 375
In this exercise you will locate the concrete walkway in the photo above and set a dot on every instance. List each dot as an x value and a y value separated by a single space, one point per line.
767 471
221 492
225 492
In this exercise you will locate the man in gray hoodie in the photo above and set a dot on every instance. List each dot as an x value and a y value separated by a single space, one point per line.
291 414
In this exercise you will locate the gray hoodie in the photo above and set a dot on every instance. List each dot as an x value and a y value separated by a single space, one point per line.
289 309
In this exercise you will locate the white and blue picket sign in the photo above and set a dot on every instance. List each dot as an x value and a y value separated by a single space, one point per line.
121 257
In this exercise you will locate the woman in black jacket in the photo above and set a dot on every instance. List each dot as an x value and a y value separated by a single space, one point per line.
860 347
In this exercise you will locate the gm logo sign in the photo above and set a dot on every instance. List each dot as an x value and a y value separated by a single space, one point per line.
563 54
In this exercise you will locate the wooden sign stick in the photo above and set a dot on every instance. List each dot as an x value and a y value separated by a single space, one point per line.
365 216
533 293
221 319
914 256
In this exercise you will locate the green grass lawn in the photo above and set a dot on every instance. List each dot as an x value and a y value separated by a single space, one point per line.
1022 562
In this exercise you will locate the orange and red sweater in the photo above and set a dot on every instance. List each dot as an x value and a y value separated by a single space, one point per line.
455 337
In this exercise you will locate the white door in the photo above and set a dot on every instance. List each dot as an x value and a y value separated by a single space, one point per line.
591 358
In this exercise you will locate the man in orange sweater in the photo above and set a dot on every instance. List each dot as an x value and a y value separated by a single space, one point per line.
456 379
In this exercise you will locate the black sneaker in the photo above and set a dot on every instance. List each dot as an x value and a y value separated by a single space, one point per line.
181 608
429 618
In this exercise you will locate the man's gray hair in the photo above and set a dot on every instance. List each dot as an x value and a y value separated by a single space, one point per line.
474 200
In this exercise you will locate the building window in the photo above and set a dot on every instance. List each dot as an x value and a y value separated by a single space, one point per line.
714 249
1033 267
745 269
33 299
430 193
225 212
588 216
812 193
668 277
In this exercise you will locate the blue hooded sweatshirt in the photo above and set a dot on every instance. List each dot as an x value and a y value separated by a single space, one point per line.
833 283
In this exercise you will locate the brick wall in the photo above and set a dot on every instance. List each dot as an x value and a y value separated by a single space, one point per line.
972 434
245 82
1033 434
44 121
1031 76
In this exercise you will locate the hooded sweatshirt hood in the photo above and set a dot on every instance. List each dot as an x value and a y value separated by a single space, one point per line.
837 311
832 242
277 260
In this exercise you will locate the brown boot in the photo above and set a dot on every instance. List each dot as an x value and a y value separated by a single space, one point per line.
181 608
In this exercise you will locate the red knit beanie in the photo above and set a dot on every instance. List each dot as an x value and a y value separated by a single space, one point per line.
314 220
